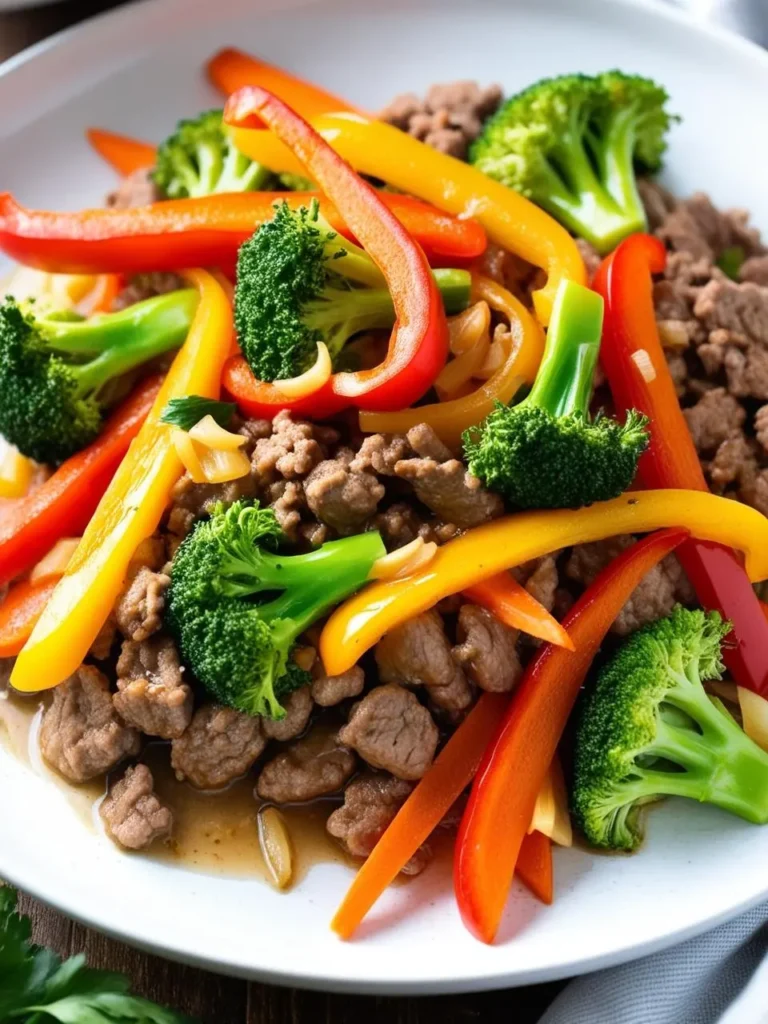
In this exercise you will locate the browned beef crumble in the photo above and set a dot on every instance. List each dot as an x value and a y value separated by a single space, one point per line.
418 653
449 117
328 691
370 804
136 189
133 815
341 498
219 745
139 612
488 650
81 735
315 766
391 730
298 708
151 694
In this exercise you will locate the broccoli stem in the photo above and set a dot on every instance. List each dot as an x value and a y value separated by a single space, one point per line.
356 265
614 154
240 174
163 314
132 341
564 382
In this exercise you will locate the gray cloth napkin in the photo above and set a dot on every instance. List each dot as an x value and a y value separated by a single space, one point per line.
718 978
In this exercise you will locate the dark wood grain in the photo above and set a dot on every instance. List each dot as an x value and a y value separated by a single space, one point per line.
208 997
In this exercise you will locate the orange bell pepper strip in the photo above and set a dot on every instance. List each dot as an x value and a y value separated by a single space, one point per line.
208 230
450 419
19 612
432 798
478 554
639 377
372 147
231 69
62 506
126 155
534 866
102 296
131 508
504 793
511 603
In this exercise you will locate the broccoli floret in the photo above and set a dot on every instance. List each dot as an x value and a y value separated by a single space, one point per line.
200 159
573 144
545 452
300 283
650 730
54 368
237 645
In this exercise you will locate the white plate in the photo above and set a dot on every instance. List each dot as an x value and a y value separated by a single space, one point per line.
136 71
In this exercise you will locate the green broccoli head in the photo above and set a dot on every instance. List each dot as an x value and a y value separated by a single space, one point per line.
650 730
546 452
238 645
300 283
572 144
53 369
199 159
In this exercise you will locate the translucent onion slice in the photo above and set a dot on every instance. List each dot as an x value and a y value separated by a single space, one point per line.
466 328
16 472
550 815
56 561
209 433
314 378
754 713
404 561
189 453
275 843
220 466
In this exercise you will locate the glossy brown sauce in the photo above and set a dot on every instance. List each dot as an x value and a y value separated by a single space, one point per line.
214 832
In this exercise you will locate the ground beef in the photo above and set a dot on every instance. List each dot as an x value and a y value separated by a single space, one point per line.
380 453
427 445
716 416
287 500
450 491
664 586
449 117
734 314
330 690
696 227
139 612
81 735
340 497
133 816
658 202
219 745
101 648
391 730
734 463
292 450
399 525
298 707
191 501
315 766
150 692
761 426
146 286
755 269
370 804
540 579
136 189
418 653
488 650
591 257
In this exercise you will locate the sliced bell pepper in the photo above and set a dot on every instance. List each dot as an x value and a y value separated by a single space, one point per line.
180 232
385 152
511 603
418 347
62 506
637 372
101 297
486 550
20 611
450 419
131 508
504 793
126 155
534 866
231 69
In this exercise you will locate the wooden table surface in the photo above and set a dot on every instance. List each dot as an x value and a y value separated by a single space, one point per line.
209 997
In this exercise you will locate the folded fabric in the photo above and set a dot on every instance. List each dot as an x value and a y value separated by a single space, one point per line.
718 978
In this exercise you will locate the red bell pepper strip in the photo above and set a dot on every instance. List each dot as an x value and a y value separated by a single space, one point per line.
21 608
515 607
418 346
126 155
260 400
63 505
637 372
207 231
423 811
534 866
503 796
230 70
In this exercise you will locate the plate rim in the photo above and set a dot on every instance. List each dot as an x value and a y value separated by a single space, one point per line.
318 980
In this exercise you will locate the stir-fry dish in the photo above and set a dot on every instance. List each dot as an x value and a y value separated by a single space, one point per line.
434 495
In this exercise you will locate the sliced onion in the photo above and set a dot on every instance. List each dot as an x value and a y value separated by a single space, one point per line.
468 327
314 378
189 453
16 472
275 843
221 466
754 714
642 361
209 433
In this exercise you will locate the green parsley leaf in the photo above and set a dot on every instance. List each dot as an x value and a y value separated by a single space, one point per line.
186 412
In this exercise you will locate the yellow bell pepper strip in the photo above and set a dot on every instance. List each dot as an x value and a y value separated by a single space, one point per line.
131 507
379 149
504 543
450 419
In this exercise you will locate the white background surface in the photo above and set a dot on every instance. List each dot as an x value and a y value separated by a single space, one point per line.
138 70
